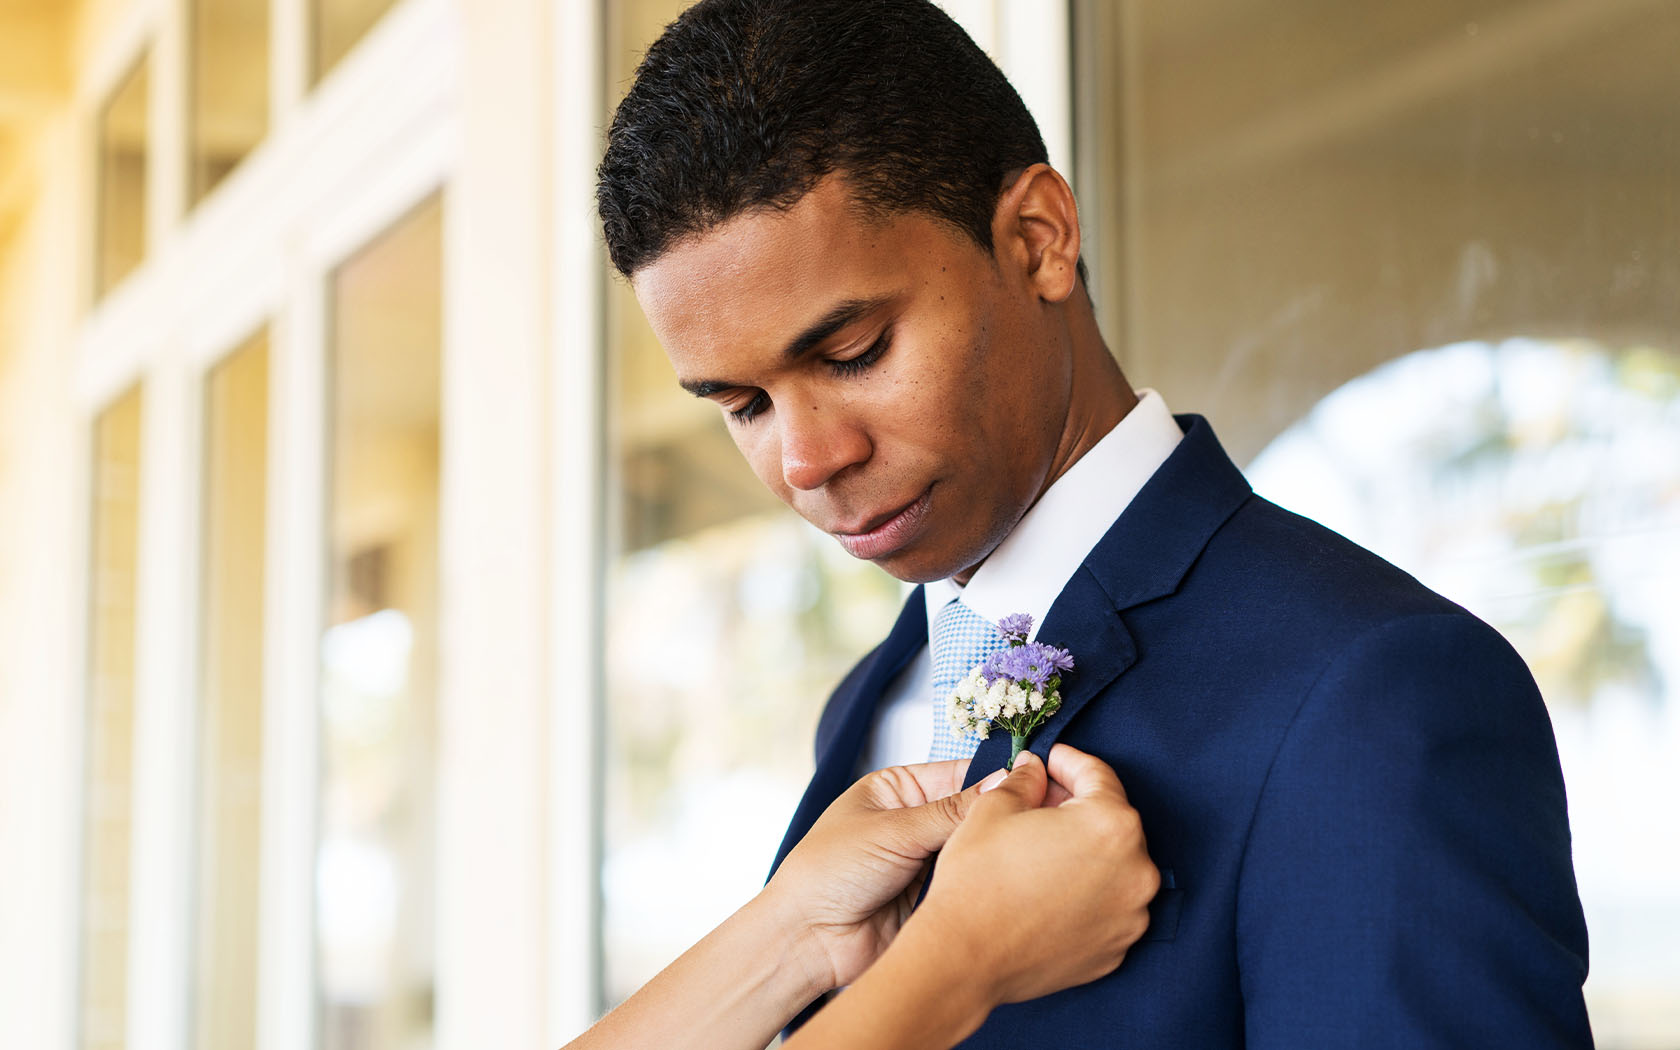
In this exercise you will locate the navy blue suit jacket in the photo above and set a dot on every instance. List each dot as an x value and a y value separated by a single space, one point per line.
1349 783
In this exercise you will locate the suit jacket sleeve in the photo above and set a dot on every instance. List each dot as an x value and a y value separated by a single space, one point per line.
1407 879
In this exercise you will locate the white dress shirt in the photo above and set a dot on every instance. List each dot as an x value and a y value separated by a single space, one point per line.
1031 566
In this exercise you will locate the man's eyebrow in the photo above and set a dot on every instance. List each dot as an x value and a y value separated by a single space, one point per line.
839 317
842 315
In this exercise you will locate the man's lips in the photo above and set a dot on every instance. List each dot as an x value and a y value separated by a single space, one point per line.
884 534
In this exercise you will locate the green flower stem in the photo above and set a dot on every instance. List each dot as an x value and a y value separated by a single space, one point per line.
1017 741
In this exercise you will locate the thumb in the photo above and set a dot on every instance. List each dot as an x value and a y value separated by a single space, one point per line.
926 827
1023 788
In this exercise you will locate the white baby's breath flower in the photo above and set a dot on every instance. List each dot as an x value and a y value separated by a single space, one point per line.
1000 693
962 713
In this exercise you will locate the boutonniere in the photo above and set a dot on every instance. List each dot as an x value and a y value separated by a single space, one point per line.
1016 688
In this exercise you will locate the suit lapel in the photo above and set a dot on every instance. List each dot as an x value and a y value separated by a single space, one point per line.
1144 556
853 711
1082 621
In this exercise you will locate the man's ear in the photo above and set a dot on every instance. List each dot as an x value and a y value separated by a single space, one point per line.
1036 225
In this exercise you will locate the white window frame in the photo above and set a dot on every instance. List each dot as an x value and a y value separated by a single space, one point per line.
418 107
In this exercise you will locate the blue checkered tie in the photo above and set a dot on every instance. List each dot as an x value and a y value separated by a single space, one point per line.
961 639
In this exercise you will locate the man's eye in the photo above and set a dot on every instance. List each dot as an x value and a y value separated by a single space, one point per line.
854 365
749 411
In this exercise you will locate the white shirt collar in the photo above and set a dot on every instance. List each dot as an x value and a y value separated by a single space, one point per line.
1030 567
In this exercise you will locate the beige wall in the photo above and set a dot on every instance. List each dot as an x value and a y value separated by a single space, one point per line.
41 479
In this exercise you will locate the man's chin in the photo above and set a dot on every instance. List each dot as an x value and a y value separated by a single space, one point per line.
921 566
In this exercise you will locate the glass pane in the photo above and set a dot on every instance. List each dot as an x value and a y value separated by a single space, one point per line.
230 726
123 144
1424 255
729 621
374 871
107 819
339 24
229 86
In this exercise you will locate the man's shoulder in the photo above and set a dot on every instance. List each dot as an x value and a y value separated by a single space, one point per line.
1275 599
1296 572
1308 604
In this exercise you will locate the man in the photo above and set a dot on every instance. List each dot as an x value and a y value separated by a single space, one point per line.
838 217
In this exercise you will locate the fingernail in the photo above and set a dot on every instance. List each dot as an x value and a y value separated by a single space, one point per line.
993 780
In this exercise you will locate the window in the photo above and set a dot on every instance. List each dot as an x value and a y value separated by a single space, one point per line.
123 145
1424 256
339 24
230 712
228 88
107 819
374 863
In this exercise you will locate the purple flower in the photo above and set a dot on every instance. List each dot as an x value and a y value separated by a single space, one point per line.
1006 664
1033 664
1060 659
1015 627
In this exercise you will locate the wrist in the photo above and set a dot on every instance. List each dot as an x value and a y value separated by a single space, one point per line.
951 934
967 993
958 933
802 961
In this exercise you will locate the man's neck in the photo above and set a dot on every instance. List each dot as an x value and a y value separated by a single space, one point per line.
1101 397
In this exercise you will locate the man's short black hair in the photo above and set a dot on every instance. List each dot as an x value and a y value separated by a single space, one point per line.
745 104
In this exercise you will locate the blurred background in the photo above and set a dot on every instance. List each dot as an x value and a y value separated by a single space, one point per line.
391 656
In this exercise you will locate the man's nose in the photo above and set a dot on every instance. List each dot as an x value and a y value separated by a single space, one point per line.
818 442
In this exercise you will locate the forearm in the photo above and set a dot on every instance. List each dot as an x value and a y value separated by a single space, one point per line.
913 998
734 989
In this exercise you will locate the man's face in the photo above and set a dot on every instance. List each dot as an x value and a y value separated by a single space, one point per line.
884 377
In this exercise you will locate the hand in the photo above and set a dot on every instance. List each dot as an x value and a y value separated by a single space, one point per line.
1047 883
851 882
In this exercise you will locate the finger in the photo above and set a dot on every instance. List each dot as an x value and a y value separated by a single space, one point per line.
1084 775
919 831
931 824
1055 794
922 831
899 787
1022 789
938 779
